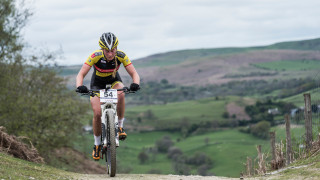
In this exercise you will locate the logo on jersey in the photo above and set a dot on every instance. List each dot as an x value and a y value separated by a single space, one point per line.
103 61
96 54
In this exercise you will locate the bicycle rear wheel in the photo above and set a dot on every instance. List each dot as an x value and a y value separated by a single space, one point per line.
111 160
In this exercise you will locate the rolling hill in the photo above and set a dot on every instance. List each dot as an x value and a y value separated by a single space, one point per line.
198 67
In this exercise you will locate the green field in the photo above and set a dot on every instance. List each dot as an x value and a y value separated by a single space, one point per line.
171 114
15 168
227 148
298 99
290 65
297 132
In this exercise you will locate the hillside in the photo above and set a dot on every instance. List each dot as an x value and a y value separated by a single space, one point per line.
12 168
221 65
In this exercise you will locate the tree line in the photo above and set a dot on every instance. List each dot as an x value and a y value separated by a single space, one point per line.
34 100
163 92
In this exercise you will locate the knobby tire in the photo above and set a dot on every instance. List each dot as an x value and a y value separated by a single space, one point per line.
111 147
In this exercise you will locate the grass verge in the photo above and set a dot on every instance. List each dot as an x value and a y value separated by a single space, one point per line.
14 168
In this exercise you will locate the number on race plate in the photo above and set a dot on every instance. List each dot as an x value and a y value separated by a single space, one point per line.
109 95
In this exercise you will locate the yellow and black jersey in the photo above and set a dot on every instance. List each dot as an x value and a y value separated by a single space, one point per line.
103 69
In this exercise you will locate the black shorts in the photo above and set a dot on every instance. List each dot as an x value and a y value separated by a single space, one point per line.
101 82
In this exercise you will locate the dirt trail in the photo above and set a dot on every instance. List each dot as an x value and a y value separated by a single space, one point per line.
147 177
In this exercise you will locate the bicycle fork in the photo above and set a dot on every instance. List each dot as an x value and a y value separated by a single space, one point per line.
105 139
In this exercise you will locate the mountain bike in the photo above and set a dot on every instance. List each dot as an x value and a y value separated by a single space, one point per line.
109 124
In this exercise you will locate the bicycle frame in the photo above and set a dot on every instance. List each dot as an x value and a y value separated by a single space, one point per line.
109 108
109 125
109 136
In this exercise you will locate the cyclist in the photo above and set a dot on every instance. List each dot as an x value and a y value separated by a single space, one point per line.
106 62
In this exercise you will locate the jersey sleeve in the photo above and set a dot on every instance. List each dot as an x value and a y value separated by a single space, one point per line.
93 58
123 58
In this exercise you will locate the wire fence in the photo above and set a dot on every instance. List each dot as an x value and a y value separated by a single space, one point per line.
298 120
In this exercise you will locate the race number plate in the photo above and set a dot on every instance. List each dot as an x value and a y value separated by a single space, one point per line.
109 95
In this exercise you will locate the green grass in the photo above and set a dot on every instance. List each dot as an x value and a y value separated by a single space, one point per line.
227 148
14 168
296 132
290 65
171 114
127 154
298 99
310 171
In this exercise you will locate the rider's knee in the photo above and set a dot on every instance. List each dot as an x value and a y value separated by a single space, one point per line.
120 97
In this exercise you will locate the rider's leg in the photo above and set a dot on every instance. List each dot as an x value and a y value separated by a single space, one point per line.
120 110
121 101
96 122
96 125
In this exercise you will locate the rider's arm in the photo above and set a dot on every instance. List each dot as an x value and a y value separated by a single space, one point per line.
133 73
82 73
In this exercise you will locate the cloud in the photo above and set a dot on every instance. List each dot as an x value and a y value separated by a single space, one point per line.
147 27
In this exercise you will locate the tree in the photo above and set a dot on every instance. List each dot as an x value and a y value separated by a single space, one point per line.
164 144
164 82
184 127
180 167
200 158
174 152
225 115
261 129
13 17
34 100
143 157
203 170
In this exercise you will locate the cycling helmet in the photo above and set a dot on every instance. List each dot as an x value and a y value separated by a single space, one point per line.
108 41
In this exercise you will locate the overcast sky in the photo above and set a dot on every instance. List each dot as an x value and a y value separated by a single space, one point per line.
146 27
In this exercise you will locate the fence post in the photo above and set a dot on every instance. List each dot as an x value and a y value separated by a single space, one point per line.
308 120
273 145
288 140
262 167
249 166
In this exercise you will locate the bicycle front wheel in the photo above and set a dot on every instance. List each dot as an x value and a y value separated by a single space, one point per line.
111 159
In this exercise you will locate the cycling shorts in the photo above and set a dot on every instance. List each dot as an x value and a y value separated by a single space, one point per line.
100 83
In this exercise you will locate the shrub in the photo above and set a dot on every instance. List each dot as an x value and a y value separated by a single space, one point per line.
200 158
180 167
174 152
143 157
164 144
261 129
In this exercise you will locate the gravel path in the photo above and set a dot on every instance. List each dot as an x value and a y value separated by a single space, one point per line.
148 177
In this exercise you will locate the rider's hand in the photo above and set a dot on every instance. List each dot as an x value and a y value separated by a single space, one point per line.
134 87
82 89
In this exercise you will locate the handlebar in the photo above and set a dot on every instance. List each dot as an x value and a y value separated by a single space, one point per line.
92 92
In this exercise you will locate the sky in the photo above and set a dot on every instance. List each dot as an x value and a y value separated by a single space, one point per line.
147 27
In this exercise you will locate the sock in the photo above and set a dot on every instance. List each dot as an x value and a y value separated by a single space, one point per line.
120 122
97 140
